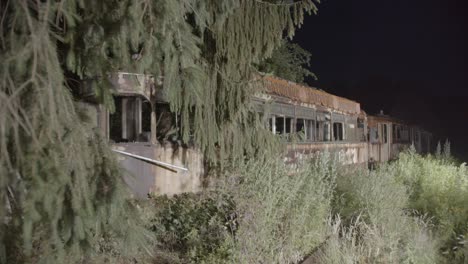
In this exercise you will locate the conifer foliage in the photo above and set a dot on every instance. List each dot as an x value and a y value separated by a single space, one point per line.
289 61
60 187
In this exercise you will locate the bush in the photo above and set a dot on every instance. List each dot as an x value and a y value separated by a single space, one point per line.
191 227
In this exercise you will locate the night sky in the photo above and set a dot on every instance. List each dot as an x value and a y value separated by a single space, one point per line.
408 58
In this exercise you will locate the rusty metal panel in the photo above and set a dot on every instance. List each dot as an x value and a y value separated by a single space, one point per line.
282 109
309 95
336 117
305 112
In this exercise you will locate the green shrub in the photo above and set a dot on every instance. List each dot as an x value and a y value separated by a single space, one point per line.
191 227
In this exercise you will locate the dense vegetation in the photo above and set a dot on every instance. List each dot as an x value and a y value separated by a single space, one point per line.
61 191
61 194
411 211
290 62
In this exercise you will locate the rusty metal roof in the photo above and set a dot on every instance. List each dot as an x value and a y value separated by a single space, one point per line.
372 120
308 95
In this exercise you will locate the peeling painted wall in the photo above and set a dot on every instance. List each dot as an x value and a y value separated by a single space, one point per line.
348 153
144 178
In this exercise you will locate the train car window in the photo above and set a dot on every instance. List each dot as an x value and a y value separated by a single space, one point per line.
310 124
288 125
115 121
360 123
300 125
131 121
326 131
279 124
305 129
319 131
385 133
283 125
301 129
337 131
361 135
373 135
398 133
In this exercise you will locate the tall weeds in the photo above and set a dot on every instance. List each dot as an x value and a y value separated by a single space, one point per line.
282 214
374 226
438 187
410 211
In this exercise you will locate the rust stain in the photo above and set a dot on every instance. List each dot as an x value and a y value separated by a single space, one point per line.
305 94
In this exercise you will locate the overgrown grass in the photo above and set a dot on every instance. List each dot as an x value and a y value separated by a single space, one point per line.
282 214
372 225
438 188
413 210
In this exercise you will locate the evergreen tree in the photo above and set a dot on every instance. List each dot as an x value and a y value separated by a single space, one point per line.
447 152
289 61
438 152
61 191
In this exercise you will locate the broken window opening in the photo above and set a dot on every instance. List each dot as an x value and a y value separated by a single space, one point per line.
338 134
279 125
301 129
306 129
288 125
126 123
385 133
283 125
361 130
373 135
326 131
115 121
401 133
322 131
311 130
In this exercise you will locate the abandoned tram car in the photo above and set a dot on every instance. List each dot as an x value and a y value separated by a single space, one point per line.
316 120
323 121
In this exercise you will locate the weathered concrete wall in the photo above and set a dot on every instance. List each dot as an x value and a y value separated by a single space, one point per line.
348 153
143 177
